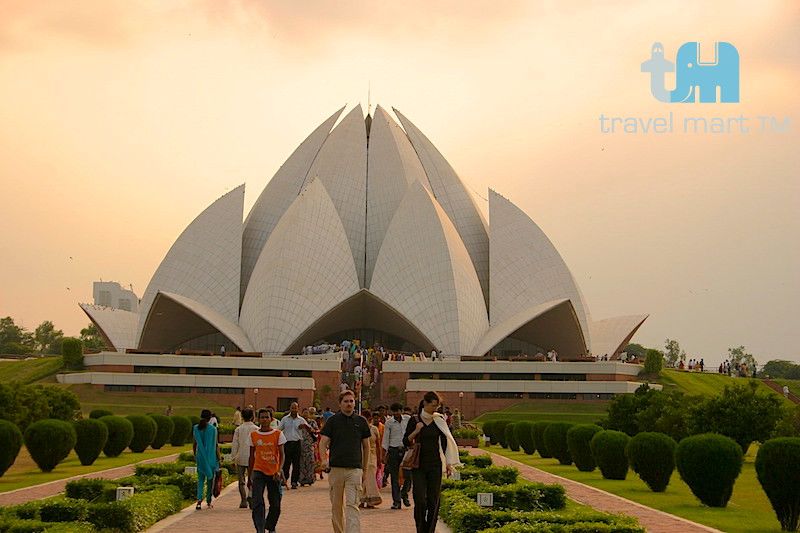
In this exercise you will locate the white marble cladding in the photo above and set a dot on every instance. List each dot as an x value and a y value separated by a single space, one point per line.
216 361
116 325
512 386
507 367
187 380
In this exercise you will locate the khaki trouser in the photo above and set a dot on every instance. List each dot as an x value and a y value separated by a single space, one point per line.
345 491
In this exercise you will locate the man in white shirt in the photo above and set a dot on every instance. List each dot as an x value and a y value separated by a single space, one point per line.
393 431
291 425
240 449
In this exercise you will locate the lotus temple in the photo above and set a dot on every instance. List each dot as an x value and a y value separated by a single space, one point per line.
365 232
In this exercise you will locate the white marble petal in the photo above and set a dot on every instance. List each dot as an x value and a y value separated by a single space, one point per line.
611 335
117 327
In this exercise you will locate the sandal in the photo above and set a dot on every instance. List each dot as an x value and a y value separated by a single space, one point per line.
197 506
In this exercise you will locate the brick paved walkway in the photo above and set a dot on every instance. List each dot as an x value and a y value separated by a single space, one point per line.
654 520
307 509
45 490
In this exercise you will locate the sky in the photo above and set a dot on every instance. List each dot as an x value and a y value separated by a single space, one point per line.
122 121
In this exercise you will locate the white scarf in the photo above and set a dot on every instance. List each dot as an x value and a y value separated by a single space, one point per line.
450 456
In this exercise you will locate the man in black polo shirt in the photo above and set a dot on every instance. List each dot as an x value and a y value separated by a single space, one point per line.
347 435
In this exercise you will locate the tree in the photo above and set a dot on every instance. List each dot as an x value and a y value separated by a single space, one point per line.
623 410
635 350
673 352
653 361
92 339
47 338
14 339
739 355
781 369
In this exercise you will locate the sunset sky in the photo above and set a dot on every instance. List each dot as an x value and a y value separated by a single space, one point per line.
122 121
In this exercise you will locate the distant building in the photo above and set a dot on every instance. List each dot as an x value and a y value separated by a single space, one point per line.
111 294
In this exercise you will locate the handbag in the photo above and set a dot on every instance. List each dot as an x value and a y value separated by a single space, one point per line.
217 486
411 457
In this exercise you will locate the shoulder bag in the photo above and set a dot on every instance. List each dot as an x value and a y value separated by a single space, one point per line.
411 457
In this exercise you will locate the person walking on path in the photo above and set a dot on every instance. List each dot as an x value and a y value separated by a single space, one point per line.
291 425
370 494
240 449
393 447
265 469
206 455
238 416
347 436
308 459
438 452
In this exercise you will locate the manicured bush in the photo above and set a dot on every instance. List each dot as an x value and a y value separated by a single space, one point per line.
495 475
709 464
99 413
578 438
138 512
92 435
511 437
182 427
120 434
72 350
186 456
515 497
478 461
27 510
161 469
500 431
555 438
10 444
144 431
164 428
539 428
49 442
88 489
66 510
194 419
467 433
652 457
488 430
608 451
523 432
778 471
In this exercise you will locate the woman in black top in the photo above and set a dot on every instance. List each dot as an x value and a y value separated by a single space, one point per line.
438 452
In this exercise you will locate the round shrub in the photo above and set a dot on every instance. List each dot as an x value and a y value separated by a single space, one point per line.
182 428
511 437
778 471
523 431
608 451
92 436
538 438
10 444
578 438
49 441
709 464
488 430
500 431
144 431
652 456
164 428
120 434
100 413
555 438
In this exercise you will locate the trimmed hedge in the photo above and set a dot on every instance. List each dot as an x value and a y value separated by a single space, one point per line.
608 451
578 438
161 469
488 430
478 461
100 413
539 428
10 444
709 464
500 431
494 475
72 351
778 471
511 437
66 510
89 489
652 457
577 527
523 431
120 434
463 515
182 428
92 435
194 419
144 431
49 442
164 428
555 439
518 496
138 512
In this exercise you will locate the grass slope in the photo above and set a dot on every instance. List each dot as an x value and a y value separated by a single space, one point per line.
30 370
748 510
575 412
793 384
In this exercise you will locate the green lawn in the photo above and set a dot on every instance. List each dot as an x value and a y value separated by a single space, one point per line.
575 412
30 370
700 383
25 473
748 510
